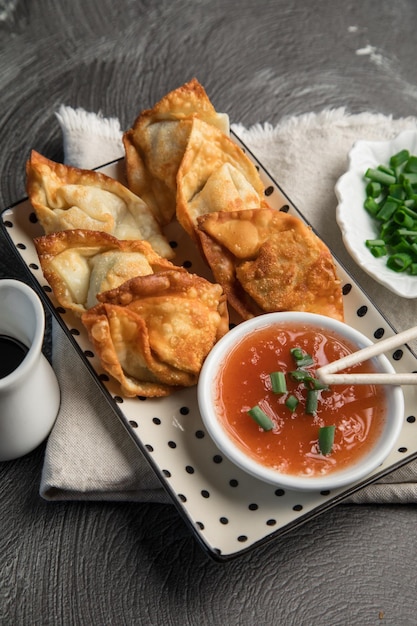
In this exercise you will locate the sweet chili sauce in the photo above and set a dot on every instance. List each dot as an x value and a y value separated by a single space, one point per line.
357 411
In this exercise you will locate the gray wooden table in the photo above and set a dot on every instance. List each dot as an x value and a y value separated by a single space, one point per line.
106 563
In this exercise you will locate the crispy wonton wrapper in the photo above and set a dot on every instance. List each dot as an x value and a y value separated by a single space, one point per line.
155 145
153 333
215 175
267 260
68 198
79 264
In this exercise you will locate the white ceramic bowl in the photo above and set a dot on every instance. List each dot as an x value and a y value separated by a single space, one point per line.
355 223
207 404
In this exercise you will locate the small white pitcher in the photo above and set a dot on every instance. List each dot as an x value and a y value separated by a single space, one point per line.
29 394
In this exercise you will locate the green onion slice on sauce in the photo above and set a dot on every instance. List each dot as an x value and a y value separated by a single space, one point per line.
309 381
301 358
291 402
261 418
312 401
326 439
278 382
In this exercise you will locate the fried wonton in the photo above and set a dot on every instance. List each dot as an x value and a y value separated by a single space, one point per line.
155 145
67 198
215 175
79 264
267 260
153 333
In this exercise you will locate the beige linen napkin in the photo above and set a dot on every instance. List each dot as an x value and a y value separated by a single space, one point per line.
88 454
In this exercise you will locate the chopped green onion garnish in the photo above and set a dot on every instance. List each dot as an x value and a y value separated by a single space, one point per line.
315 383
378 251
395 191
301 359
374 243
296 353
373 190
278 382
387 170
261 418
391 199
407 208
399 158
380 177
371 206
404 232
291 402
377 247
408 177
326 439
305 362
387 210
312 402
399 262
411 165
402 218
300 376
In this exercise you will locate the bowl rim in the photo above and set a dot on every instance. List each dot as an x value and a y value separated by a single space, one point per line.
365 466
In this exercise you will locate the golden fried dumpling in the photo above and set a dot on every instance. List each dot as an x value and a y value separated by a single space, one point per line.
79 264
155 145
67 198
267 260
153 333
215 175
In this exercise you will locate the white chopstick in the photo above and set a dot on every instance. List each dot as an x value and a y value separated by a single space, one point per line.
327 373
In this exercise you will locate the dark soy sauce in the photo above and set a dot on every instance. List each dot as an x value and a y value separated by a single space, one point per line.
12 353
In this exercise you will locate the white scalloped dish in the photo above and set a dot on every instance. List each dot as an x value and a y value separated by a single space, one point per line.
356 224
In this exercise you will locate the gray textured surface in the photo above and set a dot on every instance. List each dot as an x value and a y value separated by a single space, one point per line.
101 563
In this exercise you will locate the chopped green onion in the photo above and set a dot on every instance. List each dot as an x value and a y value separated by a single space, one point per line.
279 386
411 201
371 206
406 208
373 243
301 358
391 199
305 362
399 262
380 177
399 158
278 382
291 402
387 170
402 218
387 230
312 402
326 439
411 165
396 191
404 232
315 383
297 353
387 210
408 177
261 418
373 189
300 376
378 251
